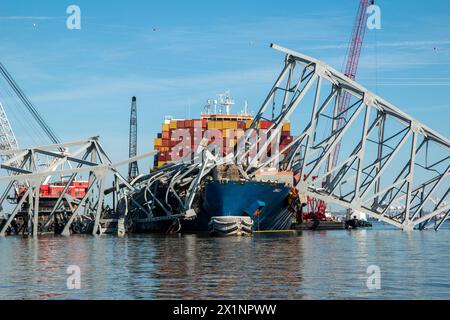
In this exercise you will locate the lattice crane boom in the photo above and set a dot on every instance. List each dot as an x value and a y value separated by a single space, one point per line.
353 56
8 139
27 103
133 170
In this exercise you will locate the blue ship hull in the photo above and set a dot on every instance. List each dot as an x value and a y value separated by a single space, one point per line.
235 198
266 203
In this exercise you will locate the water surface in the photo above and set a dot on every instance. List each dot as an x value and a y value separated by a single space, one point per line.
307 265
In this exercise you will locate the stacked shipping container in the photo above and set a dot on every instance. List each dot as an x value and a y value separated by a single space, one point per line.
76 190
231 127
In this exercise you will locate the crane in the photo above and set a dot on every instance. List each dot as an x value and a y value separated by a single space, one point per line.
133 170
7 137
8 140
353 55
27 103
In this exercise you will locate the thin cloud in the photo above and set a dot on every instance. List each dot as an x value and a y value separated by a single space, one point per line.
27 18
426 109
105 87
398 44
427 84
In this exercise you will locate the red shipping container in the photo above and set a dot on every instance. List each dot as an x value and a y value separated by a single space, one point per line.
195 132
166 156
287 140
166 135
199 123
173 143
283 147
174 154
264 124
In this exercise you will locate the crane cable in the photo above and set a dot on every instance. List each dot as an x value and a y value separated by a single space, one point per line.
21 117
49 132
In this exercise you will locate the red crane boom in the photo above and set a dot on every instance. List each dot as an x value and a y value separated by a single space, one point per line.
353 55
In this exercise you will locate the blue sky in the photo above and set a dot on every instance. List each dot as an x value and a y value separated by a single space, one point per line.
174 55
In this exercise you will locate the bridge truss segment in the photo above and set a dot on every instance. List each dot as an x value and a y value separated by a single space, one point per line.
391 166
68 213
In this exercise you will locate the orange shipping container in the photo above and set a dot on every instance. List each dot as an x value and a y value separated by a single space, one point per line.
227 133
230 124
211 125
287 127
285 133
226 124
158 142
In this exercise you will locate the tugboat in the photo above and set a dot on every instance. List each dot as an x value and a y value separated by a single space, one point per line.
357 220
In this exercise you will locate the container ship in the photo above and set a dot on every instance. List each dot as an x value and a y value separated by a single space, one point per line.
217 116
227 203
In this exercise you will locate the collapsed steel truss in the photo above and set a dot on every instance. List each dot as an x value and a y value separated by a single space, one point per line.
391 167
66 162
181 182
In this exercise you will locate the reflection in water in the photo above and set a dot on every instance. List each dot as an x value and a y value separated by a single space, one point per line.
308 265
227 268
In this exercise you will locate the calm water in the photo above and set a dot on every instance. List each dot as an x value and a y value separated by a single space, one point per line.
310 265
